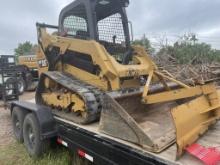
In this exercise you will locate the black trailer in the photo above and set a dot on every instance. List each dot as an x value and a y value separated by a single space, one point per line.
36 126
26 78
39 123
9 78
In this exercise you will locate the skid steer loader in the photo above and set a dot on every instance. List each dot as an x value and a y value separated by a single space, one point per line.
27 64
90 72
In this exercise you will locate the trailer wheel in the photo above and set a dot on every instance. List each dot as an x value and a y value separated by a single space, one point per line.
21 86
9 85
17 123
31 132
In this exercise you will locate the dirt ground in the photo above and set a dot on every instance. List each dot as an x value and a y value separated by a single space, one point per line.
11 152
6 129
6 133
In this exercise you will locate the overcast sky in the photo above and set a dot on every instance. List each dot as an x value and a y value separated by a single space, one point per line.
155 18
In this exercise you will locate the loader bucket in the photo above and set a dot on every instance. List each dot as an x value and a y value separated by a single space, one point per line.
150 126
194 118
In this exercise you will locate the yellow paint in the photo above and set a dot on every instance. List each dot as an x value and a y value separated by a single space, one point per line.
63 100
29 60
194 118
191 119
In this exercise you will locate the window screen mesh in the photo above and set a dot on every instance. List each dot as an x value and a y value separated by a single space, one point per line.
111 35
111 29
76 23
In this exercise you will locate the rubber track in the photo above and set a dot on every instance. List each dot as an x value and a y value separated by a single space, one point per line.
90 95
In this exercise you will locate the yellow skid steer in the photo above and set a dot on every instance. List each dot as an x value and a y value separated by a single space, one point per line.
90 71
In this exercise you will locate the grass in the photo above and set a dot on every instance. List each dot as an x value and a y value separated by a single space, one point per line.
16 154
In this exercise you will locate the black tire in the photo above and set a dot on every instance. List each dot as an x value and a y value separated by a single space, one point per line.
29 81
31 132
21 86
18 116
10 83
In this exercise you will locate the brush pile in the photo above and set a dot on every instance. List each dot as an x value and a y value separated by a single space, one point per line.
192 73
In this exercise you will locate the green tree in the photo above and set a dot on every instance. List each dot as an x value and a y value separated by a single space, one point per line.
26 48
145 43
188 50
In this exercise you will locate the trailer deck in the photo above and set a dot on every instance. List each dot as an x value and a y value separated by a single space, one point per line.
168 156
104 149
210 139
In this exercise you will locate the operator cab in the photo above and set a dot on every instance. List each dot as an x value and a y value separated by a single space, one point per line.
102 20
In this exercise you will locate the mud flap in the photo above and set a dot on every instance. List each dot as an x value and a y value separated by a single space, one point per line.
150 126
194 118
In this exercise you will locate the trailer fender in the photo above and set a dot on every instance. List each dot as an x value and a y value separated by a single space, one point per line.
44 116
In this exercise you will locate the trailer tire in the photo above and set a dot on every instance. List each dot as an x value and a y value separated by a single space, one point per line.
31 132
21 86
9 84
17 122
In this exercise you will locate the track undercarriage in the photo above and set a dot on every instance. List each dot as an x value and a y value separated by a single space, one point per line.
69 98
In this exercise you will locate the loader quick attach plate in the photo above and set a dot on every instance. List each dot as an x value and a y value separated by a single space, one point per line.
194 118
127 118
